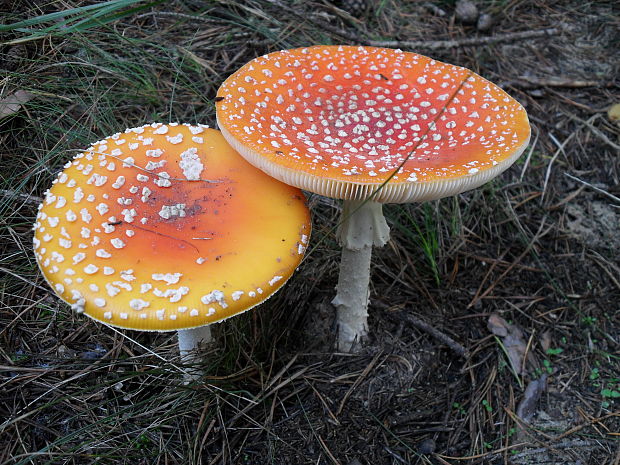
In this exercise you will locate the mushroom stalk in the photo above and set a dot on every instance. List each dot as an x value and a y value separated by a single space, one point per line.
362 226
190 340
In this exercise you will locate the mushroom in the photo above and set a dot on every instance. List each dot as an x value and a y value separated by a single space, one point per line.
166 227
370 126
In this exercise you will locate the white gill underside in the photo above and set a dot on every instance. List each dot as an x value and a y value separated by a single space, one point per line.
391 192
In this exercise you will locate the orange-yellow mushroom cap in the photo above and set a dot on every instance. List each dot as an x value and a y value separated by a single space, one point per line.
342 120
166 227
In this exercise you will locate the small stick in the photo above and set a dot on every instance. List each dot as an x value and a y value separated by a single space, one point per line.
594 188
33 199
434 332
422 44
542 450
529 155
568 198
585 424
525 82
595 130
555 155
600 261
469 42
327 451
359 379
15 275
395 455
539 234
434 9
485 454
180 16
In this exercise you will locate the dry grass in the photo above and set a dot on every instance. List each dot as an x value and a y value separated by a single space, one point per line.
536 246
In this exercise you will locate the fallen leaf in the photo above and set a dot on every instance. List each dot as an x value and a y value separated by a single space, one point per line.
533 391
545 341
11 104
512 339
614 113
497 325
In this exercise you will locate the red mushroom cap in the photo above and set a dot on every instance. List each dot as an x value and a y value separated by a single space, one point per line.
342 120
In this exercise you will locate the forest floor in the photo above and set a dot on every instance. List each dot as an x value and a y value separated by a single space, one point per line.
523 273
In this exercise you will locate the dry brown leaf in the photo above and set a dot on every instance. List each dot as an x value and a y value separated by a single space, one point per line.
614 113
497 325
11 104
512 338
527 406
545 341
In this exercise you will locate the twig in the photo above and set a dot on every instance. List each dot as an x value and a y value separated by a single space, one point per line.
499 262
525 82
264 394
539 234
420 44
357 382
542 450
32 199
434 9
487 274
434 332
585 424
594 188
529 154
325 406
327 451
567 199
485 454
173 14
152 231
469 42
600 261
395 455
555 155
595 130
342 13
15 275
304 16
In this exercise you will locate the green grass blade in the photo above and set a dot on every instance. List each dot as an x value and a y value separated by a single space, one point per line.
111 5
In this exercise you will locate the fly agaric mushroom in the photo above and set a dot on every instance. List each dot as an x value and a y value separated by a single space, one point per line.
370 126
166 227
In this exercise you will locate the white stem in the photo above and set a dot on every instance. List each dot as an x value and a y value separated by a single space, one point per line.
362 226
192 340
